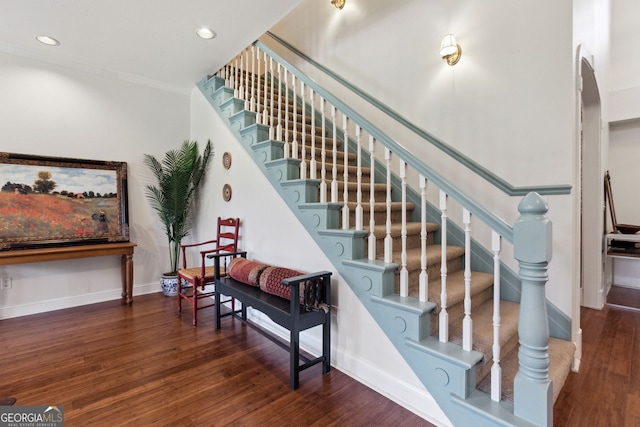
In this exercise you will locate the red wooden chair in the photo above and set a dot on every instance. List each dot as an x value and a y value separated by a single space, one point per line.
200 278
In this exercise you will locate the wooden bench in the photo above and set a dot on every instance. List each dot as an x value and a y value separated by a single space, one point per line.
304 310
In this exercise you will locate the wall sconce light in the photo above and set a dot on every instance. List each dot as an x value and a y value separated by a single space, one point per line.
49 41
339 4
450 50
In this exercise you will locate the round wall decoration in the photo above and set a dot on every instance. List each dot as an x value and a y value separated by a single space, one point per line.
226 160
226 192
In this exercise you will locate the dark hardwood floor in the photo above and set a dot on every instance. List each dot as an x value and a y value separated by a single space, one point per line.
606 391
111 365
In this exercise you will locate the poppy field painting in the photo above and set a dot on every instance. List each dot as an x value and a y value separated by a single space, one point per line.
51 201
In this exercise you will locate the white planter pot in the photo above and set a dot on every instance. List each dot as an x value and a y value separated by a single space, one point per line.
169 285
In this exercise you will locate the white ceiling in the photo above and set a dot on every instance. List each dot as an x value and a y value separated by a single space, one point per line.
150 41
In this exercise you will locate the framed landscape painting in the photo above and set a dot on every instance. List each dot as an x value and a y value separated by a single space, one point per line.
55 201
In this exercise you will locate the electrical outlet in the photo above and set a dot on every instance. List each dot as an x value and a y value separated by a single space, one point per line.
5 283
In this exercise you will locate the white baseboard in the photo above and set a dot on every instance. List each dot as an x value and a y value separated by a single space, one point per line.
416 400
627 282
9 312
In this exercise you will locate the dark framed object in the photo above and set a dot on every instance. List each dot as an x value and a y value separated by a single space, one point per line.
56 201
226 192
226 160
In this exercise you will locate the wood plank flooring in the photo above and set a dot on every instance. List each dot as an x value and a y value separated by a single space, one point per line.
112 365
606 391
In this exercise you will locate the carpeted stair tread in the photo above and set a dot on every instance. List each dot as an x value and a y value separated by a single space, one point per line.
561 354
434 256
455 287
380 230
482 318
352 187
339 156
380 207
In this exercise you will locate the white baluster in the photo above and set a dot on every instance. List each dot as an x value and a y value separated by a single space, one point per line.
372 200
345 189
303 156
424 276
496 370
312 163
323 155
404 273
279 126
287 144
259 76
228 81
467 323
294 144
240 78
443 319
334 172
236 80
246 78
272 102
252 102
388 240
359 211
265 111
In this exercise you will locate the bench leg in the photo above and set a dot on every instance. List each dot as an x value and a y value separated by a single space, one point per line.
217 307
326 344
294 358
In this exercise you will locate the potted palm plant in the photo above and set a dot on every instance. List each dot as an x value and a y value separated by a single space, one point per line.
179 176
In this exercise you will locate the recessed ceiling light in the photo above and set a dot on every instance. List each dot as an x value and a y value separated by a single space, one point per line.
49 41
205 33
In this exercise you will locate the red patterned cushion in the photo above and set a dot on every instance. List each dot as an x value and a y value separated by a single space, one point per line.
245 271
271 281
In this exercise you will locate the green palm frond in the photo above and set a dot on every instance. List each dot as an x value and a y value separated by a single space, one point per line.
179 176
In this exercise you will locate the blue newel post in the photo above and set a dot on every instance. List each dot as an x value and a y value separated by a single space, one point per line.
533 391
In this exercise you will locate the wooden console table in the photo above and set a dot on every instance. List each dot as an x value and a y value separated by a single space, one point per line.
24 256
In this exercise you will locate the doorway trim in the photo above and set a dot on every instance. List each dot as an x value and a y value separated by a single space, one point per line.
588 199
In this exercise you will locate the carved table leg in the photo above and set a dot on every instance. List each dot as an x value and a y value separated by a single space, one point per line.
127 278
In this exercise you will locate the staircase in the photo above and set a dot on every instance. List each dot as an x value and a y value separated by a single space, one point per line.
440 304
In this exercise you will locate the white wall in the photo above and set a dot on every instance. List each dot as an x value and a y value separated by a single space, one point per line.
509 103
51 110
624 113
623 152
271 233
625 79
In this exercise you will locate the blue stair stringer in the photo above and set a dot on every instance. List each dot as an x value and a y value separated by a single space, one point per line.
447 371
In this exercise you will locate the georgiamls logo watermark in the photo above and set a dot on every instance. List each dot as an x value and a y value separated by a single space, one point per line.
31 416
